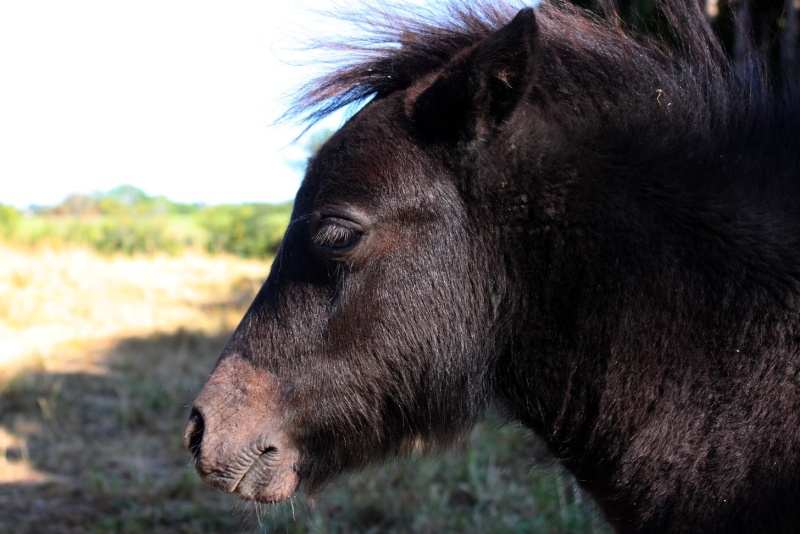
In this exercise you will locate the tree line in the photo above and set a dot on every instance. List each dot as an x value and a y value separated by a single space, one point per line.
127 220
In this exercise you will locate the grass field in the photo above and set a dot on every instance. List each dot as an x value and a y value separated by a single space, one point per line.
100 358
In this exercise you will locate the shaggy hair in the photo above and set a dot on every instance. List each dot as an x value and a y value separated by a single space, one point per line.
398 46
593 53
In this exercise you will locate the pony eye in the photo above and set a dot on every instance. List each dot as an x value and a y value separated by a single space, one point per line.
334 237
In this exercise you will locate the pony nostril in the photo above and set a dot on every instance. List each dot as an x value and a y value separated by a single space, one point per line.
193 432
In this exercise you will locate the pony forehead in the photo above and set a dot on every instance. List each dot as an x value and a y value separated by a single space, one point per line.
372 152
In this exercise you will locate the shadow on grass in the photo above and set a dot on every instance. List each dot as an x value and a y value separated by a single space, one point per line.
107 444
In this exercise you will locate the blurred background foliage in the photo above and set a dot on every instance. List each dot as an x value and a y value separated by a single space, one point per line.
126 220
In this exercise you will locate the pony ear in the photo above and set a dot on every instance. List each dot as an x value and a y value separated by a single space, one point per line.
477 92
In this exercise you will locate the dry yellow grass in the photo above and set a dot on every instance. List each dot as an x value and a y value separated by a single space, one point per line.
18 468
53 297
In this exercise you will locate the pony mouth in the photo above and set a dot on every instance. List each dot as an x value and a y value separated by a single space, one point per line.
266 477
270 478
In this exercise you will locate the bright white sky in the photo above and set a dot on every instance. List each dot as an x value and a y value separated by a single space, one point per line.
177 97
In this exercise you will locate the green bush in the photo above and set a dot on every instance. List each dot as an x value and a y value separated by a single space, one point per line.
249 230
9 221
134 236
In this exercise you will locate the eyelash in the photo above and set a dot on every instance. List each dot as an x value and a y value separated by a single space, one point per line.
334 237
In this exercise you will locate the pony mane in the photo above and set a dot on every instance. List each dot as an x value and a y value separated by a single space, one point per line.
399 45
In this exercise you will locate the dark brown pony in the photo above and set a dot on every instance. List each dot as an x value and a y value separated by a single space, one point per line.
596 230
